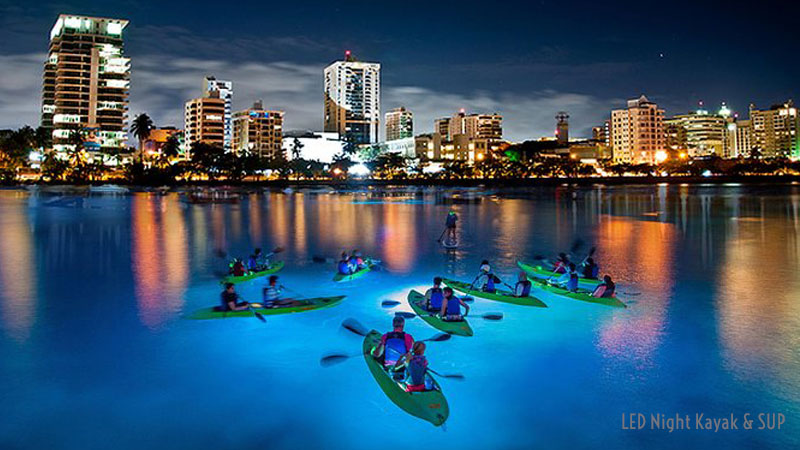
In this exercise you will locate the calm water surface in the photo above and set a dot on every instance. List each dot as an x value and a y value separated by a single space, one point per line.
94 352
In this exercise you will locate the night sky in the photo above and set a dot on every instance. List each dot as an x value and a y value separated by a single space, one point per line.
526 61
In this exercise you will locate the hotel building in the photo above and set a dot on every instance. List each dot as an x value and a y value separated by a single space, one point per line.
699 132
352 99
86 82
225 91
637 132
204 121
474 126
399 124
258 131
774 132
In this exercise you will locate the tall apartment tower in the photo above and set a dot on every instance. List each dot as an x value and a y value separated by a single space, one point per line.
473 126
776 131
399 124
562 128
86 82
352 99
225 90
204 121
637 132
701 133
258 131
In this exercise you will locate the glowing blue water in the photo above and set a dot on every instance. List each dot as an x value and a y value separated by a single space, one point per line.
94 352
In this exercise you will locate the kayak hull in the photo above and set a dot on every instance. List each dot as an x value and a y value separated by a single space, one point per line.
309 304
499 296
583 296
461 328
340 277
537 271
274 267
428 405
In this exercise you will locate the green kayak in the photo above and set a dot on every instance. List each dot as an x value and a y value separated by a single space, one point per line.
306 304
417 302
538 271
498 296
427 405
584 296
272 268
339 277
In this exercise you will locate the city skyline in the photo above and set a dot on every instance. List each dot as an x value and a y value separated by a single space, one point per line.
283 69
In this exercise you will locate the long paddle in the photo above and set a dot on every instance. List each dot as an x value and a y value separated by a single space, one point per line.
452 376
487 316
442 235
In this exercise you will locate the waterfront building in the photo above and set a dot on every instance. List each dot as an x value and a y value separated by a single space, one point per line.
774 132
743 138
86 83
225 91
314 145
352 99
399 124
562 128
258 131
204 120
637 132
154 143
700 133
428 146
474 126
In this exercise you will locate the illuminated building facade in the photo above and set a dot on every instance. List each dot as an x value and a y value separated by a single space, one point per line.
86 83
774 132
474 126
352 99
204 121
637 132
699 133
159 137
399 124
258 131
225 91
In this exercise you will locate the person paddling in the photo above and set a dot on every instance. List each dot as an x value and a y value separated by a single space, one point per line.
486 279
344 265
272 292
590 269
417 366
434 295
394 345
451 306
606 289
523 286
561 264
228 300
238 269
450 226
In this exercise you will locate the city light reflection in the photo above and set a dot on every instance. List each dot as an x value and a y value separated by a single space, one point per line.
17 268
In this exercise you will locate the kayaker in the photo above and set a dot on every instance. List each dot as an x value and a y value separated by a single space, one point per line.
229 300
417 366
486 279
394 344
252 263
590 269
272 292
238 269
561 264
344 265
434 296
450 225
571 278
605 289
451 306
523 286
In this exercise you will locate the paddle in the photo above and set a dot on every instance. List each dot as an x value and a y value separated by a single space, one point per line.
442 235
487 316
452 376
354 326
389 303
258 315
591 253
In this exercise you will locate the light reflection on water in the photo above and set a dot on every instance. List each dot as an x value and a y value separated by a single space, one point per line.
715 270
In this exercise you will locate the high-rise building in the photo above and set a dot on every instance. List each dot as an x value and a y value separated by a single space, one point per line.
637 132
258 131
225 90
204 121
352 99
562 128
700 133
474 126
775 131
399 124
86 82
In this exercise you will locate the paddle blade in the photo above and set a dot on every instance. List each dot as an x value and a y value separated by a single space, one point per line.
454 376
330 360
538 257
277 250
405 315
440 337
318 259
389 303
354 326
260 316
467 299
493 316
591 252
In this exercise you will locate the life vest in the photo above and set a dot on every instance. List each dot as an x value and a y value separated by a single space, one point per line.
238 269
595 271
489 286
252 264
417 366
394 347
435 303
344 267
526 288
453 307
572 284
610 290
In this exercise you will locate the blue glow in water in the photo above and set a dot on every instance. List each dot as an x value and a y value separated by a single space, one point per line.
95 353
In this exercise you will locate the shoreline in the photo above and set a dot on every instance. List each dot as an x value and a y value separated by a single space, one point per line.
472 182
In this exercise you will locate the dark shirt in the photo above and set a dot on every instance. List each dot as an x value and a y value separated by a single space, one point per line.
451 220
227 297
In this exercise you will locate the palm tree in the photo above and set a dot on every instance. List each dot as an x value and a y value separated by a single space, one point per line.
141 127
170 150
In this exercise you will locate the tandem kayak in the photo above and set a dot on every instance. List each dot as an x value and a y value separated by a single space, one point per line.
272 268
427 405
537 271
498 296
417 302
301 305
339 277
584 296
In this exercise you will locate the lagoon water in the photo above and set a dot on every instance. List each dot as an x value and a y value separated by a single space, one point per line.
95 354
